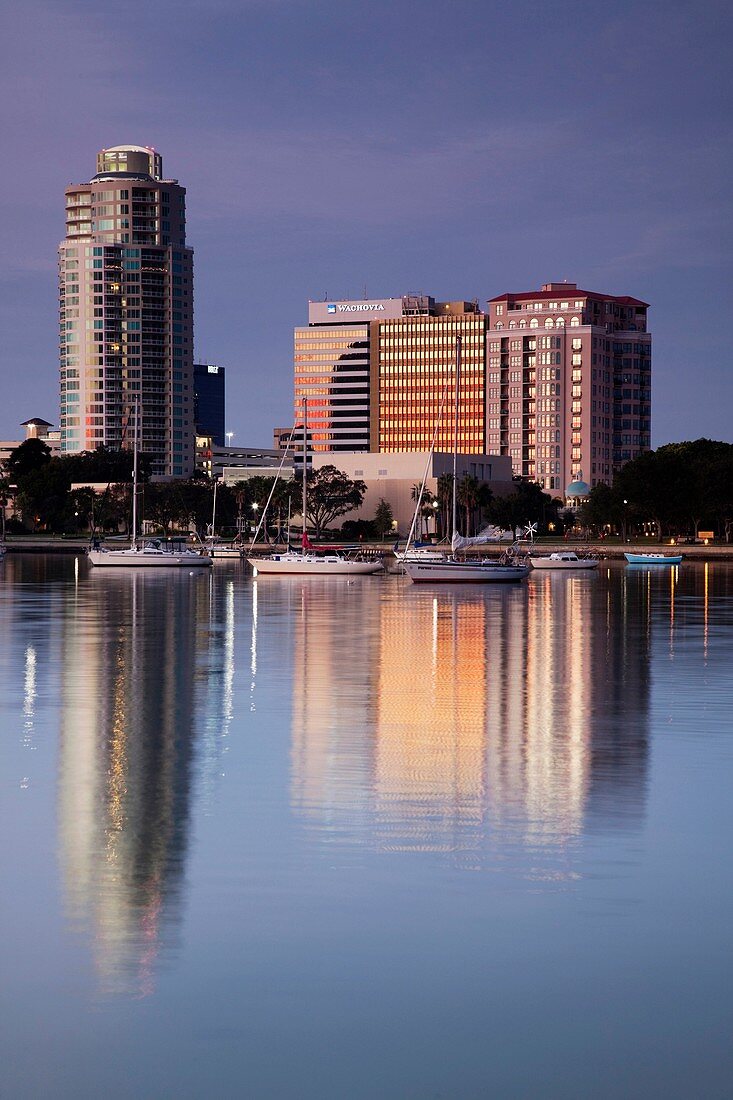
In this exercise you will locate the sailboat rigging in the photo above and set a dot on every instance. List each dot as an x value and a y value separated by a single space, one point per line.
308 560
153 552
455 570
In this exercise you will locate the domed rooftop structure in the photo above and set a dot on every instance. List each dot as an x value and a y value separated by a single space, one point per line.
577 491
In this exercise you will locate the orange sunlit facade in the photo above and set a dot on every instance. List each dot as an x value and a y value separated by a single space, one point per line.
416 372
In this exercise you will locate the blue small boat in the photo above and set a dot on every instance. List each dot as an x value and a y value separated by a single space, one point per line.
653 559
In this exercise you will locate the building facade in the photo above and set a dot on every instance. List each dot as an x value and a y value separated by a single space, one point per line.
568 383
126 312
333 370
209 401
376 374
415 379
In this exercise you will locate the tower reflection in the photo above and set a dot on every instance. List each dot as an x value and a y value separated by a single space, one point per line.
454 716
128 733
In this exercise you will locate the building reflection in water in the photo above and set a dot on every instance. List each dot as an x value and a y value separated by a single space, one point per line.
130 700
458 718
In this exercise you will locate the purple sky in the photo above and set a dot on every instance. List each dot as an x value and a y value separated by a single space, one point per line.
459 149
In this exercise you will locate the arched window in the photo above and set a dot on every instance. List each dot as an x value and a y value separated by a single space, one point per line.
534 323
549 323
574 322
560 322
499 324
523 323
512 324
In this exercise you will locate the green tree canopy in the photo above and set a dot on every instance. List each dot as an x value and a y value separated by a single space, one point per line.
331 494
29 455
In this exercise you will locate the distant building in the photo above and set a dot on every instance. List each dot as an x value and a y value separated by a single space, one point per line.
375 371
126 312
233 464
36 428
209 401
568 387
393 477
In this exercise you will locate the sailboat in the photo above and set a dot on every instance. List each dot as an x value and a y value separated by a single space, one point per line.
153 552
308 559
231 551
455 570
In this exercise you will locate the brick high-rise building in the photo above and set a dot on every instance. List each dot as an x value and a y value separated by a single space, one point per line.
568 387
126 311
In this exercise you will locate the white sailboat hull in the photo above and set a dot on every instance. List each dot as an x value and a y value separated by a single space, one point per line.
312 564
159 559
452 571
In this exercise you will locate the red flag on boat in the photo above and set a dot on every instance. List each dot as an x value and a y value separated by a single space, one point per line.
306 542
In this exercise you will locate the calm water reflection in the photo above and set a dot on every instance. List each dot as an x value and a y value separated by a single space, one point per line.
325 837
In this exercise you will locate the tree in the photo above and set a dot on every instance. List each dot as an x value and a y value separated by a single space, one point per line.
383 517
468 498
28 456
445 500
42 494
527 504
331 494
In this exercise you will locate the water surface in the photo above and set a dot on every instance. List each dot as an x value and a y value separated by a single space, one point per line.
353 838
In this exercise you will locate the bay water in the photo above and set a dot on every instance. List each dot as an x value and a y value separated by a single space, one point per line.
321 837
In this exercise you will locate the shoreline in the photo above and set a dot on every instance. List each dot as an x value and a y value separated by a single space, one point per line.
613 551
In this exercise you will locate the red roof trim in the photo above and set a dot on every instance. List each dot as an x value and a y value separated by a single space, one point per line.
546 295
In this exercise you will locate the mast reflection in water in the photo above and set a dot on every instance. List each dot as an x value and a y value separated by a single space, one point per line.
492 717
126 752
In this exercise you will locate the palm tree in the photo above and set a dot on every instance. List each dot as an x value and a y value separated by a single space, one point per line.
468 498
445 496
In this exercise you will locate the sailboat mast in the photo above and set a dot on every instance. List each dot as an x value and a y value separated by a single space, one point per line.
134 473
305 470
455 437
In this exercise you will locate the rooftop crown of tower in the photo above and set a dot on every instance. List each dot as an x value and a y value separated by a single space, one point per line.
129 160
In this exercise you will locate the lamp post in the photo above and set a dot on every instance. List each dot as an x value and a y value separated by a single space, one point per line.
229 436
255 507
626 505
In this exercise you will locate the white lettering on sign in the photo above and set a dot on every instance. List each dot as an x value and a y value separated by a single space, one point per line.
360 307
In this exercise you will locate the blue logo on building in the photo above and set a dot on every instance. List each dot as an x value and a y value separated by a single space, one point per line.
332 309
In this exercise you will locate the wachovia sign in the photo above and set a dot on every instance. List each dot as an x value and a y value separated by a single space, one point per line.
356 307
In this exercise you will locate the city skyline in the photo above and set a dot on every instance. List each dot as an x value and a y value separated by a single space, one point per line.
465 161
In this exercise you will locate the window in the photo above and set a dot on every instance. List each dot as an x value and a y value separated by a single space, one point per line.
574 322
534 323
549 323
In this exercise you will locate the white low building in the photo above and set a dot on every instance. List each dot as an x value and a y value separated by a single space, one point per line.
392 477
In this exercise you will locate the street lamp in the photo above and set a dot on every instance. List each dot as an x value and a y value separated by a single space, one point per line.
229 438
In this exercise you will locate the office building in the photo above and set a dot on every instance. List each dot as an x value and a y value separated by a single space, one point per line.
333 357
568 388
375 374
415 379
209 401
126 312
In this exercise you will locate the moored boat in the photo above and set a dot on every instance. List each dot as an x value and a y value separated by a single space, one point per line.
562 559
455 569
170 553
653 559
308 560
